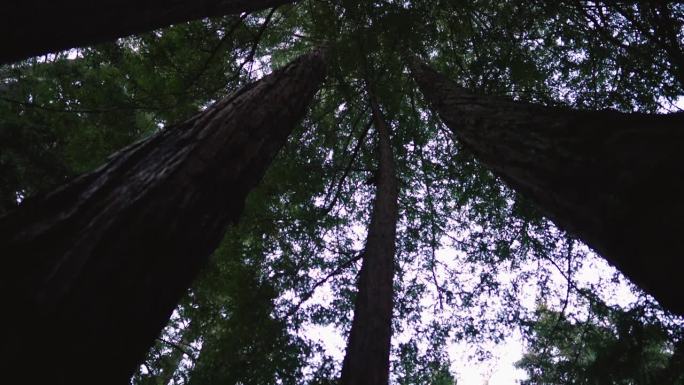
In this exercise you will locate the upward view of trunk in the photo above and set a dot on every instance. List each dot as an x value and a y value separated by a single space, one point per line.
614 180
35 27
366 361
92 271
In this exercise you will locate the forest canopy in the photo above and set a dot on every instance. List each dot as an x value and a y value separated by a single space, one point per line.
369 179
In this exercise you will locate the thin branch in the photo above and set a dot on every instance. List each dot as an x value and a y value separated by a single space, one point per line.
321 282
177 347
75 110
326 210
255 44
433 225
216 48
561 314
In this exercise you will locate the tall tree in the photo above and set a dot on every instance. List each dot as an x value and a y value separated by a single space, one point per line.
94 269
63 116
612 179
37 27
367 358
302 239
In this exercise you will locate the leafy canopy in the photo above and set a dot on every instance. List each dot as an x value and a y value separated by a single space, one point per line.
471 253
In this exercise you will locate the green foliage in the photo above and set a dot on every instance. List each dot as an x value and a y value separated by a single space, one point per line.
64 114
243 320
247 346
428 367
613 346
61 118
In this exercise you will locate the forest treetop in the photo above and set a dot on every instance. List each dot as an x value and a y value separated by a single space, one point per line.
64 113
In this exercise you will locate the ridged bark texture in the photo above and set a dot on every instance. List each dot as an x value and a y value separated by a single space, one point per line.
612 179
366 361
92 271
35 27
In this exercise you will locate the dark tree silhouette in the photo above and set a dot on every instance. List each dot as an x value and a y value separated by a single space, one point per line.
94 269
612 179
36 27
366 361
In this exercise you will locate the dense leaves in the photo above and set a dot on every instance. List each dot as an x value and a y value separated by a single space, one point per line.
473 257
612 346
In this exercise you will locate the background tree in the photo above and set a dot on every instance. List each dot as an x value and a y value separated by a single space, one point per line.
39 27
367 356
582 169
611 346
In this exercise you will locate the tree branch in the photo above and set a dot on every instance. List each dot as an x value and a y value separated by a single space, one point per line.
326 210
176 346
322 281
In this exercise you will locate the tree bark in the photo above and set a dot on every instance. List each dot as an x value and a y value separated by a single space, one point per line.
36 27
612 179
366 361
93 270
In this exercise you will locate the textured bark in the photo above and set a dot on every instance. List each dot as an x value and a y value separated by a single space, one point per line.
35 27
614 180
366 361
92 271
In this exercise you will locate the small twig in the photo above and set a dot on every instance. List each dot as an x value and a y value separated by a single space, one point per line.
216 48
318 284
338 191
72 110
433 225
255 44
177 347
561 314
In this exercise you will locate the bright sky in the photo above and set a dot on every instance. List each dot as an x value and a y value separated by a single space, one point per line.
500 369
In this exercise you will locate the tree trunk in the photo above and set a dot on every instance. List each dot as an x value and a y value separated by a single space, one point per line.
614 180
36 27
366 361
93 270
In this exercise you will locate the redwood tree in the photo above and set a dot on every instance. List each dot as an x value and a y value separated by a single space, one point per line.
612 179
306 211
37 27
368 348
94 269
